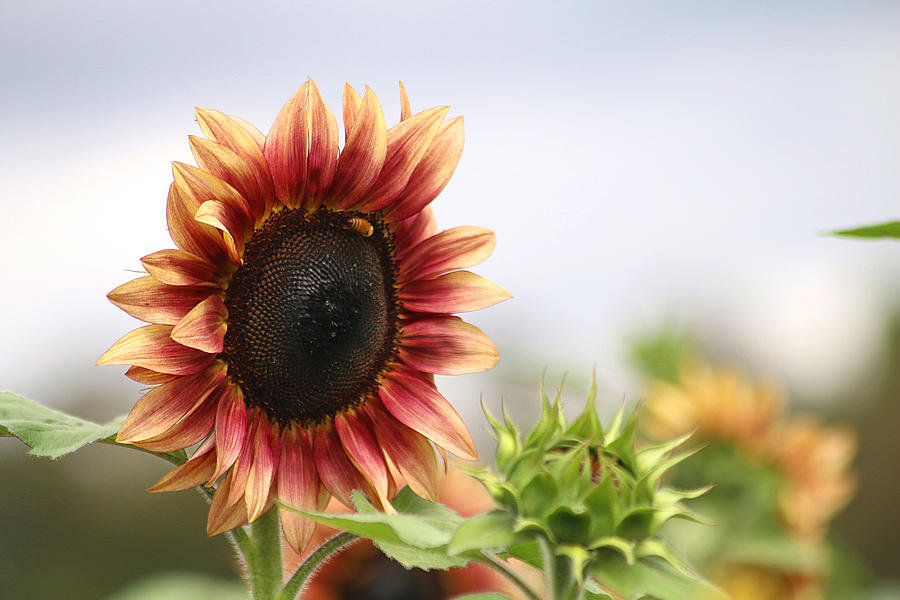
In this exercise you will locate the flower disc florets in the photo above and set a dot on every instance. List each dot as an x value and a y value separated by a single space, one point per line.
312 314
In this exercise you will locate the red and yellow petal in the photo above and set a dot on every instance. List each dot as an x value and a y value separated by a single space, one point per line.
194 472
446 345
458 291
362 449
407 143
193 428
323 148
231 427
363 156
227 165
243 139
286 149
163 406
410 232
223 515
410 451
456 248
266 452
187 233
151 347
177 267
432 172
297 485
336 471
204 326
418 405
147 299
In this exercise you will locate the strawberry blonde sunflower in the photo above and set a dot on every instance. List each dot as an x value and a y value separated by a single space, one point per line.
295 331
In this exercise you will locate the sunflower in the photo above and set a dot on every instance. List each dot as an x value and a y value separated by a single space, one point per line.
295 331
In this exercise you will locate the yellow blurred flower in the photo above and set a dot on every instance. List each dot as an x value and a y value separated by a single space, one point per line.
719 404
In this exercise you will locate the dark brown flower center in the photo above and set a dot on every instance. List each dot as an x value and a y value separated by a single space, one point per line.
312 314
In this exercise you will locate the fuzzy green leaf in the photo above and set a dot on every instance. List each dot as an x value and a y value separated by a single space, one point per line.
49 432
422 558
650 577
488 530
881 230
400 528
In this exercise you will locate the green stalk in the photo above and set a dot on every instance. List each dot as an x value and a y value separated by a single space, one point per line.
265 574
501 567
298 579
548 562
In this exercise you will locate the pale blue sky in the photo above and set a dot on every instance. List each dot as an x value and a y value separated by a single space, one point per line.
638 160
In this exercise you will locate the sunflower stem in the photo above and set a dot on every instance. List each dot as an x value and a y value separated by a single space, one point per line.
265 568
503 568
312 562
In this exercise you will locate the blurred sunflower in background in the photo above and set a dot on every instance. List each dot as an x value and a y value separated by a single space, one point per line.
295 330
779 480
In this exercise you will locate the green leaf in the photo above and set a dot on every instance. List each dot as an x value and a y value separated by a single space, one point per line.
650 577
49 432
483 596
422 558
381 527
488 530
881 230
528 552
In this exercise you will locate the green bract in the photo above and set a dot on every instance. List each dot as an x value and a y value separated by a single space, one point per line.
590 499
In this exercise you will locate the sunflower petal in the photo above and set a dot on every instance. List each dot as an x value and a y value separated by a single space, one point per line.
352 105
151 347
203 327
418 405
432 173
410 451
227 165
298 486
336 471
241 469
148 377
163 406
267 447
458 291
231 428
225 516
188 234
323 147
191 474
407 143
405 109
363 451
409 232
286 149
147 299
243 139
191 429
229 220
177 267
455 248
204 187
363 156
446 346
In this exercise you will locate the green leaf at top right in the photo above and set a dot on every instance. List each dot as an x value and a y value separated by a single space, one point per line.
890 229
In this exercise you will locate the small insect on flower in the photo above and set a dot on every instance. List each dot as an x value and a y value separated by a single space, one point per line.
360 226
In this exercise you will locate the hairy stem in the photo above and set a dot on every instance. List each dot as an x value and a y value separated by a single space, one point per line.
503 568
295 583
265 575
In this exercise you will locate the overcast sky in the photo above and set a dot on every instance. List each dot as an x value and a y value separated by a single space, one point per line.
641 162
